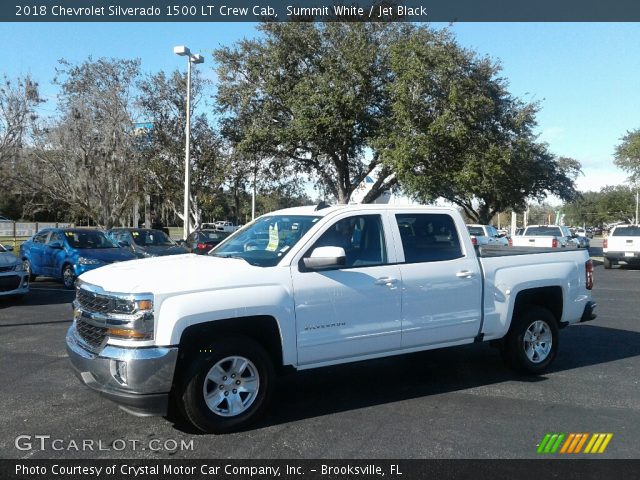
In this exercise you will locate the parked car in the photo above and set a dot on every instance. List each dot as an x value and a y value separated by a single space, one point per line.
579 242
201 241
549 236
14 279
228 227
146 242
486 235
332 285
584 232
622 246
65 254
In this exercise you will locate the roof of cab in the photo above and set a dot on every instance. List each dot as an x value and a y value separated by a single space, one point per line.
313 210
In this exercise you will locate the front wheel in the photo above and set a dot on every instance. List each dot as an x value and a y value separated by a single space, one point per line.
228 386
68 277
532 342
27 267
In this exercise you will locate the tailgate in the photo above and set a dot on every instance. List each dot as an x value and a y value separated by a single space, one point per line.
624 244
533 241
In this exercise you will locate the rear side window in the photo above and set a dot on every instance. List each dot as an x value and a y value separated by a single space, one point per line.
428 237
544 232
477 231
631 231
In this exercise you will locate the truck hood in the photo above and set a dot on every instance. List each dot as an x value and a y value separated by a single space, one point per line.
172 274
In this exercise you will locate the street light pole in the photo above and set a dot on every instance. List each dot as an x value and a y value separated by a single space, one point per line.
637 194
184 51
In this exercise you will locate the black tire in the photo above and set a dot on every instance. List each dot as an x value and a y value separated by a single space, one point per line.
27 266
515 351
607 263
68 277
192 395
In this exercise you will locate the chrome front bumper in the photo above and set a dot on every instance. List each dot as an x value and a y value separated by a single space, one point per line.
138 379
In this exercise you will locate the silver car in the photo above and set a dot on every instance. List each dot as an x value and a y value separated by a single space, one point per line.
14 279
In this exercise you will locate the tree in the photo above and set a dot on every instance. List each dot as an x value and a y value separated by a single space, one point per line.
163 103
456 132
610 204
18 102
310 95
86 157
627 155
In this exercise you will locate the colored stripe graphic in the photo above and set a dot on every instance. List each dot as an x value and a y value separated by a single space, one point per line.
572 443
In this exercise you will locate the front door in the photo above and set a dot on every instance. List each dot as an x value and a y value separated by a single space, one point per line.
353 310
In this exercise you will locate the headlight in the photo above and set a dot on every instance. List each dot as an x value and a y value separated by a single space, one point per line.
19 267
126 305
138 328
88 261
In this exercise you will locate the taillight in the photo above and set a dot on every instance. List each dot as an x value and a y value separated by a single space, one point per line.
202 246
510 242
588 267
554 243
605 243
474 240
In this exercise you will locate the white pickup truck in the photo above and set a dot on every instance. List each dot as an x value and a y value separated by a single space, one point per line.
308 287
546 236
622 246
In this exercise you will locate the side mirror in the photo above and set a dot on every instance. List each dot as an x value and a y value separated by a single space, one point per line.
323 258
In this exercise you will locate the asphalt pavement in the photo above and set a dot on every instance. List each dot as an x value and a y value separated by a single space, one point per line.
453 403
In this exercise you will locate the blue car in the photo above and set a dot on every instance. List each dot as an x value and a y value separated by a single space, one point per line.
65 254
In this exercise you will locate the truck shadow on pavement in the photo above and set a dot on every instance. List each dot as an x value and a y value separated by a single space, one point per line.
330 390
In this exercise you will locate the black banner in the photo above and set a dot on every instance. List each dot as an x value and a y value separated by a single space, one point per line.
317 10
319 469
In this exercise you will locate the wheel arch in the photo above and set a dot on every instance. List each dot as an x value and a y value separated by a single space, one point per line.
550 298
263 329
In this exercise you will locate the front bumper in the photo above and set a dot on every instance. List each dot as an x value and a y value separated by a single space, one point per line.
14 283
138 379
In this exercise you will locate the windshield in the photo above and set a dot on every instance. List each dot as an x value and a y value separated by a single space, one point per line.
264 242
630 231
477 231
544 231
147 238
88 239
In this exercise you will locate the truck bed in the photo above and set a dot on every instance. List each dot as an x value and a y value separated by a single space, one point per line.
489 251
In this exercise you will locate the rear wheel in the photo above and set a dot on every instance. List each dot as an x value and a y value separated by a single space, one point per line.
532 342
607 263
228 386
68 277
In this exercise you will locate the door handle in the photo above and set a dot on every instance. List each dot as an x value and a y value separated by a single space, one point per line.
386 281
465 274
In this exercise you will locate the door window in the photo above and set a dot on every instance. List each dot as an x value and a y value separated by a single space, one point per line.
361 236
428 237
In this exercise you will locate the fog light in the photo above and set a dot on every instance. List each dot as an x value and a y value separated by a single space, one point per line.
119 371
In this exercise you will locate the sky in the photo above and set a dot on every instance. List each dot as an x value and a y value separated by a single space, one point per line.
585 76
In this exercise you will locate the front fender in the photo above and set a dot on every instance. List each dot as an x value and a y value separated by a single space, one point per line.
178 312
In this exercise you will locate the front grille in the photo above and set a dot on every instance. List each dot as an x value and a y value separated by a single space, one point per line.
91 335
10 268
9 283
94 302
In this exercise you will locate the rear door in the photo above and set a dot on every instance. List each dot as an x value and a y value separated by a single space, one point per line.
353 310
441 282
